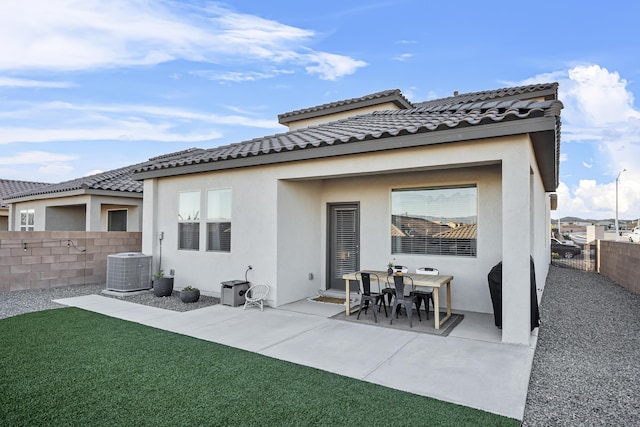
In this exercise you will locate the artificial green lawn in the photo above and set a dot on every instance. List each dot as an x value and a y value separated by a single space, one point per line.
73 367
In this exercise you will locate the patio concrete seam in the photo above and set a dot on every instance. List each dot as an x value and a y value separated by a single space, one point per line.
391 356
292 337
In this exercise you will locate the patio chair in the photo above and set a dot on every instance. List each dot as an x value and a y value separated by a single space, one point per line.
423 293
389 290
405 300
256 295
375 298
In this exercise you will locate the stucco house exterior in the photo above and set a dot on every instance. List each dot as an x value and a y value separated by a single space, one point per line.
7 188
107 201
458 184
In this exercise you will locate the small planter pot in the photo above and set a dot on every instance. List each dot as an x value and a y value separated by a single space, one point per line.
163 286
190 296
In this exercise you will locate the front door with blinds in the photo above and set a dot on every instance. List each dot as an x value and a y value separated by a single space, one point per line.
343 255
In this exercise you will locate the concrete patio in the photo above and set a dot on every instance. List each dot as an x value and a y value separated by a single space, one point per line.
470 367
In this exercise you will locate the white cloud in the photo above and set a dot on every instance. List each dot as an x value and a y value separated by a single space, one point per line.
22 83
85 35
403 57
599 109
330 66
238 76
35 157
54 172
117 130
63 121
44 166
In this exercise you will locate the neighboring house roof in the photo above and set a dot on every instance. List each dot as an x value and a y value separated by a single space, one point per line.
8 187
415 226
117 180
394 96
462 232
375 131
396 232
547 91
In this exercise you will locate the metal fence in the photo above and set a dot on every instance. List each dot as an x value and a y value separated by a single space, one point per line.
586 260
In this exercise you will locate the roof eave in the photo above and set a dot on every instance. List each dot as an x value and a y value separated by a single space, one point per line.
396 99
544 126
73 193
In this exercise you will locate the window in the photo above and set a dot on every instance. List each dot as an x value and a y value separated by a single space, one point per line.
434 221
27 219
117 220
219 220
189 220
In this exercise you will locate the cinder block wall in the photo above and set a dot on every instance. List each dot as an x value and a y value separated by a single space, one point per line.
48 259
619 261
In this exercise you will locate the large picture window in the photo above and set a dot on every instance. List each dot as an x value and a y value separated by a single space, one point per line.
434 221
189 220
27 219
219 220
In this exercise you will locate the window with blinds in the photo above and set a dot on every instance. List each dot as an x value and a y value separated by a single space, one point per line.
435 221
219 220
189 220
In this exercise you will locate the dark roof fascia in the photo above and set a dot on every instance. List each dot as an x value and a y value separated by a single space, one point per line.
516 127
547 95
77 192
394 98
550 93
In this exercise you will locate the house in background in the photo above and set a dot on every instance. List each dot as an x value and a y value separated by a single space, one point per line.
458 184
8 187
107 201
388 100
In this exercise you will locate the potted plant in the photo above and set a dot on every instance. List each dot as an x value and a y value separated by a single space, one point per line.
162 285
389 268
190 294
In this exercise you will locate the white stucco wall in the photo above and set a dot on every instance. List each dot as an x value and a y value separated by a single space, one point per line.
95 218
279 220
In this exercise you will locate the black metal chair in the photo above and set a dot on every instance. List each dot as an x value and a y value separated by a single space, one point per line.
400 299
423 293
366 296
389 290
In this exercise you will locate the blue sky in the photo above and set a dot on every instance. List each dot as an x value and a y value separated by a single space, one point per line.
90 86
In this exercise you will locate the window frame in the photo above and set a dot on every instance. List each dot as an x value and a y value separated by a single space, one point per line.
126 218
429 243
219 221
185 224
29 215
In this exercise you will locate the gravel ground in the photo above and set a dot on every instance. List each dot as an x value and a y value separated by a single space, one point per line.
586 368
18 302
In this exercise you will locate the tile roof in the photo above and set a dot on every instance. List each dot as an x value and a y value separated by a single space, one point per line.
113 180
8 187
547 90
392 95
462 232
372 126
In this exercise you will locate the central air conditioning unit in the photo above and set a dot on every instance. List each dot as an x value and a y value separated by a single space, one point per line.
128 271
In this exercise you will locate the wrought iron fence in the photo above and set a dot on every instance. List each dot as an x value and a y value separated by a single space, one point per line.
586 260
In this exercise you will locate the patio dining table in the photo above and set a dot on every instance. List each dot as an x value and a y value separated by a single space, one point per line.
432 281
